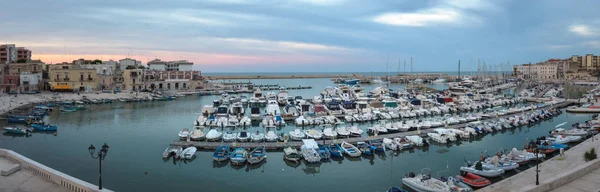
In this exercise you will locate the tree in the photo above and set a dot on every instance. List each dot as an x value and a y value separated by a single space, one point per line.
130 67
141 67
22 61
97 61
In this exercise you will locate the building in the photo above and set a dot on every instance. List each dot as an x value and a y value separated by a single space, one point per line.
182 65
30 81
11 80
72 77
133 80
129 62
587 62
161 80
552 69
9 53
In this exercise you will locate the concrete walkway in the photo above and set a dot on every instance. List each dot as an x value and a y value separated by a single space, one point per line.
562 174
586 183
24 180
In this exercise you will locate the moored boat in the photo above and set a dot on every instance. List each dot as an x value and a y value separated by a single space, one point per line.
16 130
336 150
239 156
424 182
257 155
188 153
473 180
291 154
44 127
172 151
222 153
350 149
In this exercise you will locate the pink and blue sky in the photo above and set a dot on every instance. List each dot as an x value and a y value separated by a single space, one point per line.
305 35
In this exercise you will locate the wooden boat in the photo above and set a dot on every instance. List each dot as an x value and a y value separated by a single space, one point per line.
377 145
324 152
365 148
221 153
16 130
42 127
239 156
172 151
291 154
188 153
257 155
336 150
350 149
473 180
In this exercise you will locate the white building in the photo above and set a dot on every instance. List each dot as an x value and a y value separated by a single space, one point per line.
182 65
129 62
30 81
106 68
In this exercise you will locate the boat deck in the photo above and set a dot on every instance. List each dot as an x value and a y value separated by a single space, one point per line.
208 145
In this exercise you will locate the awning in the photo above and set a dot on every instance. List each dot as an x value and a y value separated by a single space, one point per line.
62 87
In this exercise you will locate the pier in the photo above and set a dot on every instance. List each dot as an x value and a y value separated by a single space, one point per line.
208 145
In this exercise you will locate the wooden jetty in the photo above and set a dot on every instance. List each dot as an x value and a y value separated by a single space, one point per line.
207 145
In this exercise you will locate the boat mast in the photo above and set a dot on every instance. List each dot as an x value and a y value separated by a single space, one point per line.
459 69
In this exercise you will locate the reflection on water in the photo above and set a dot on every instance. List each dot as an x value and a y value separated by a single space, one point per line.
311 168
219 164
251 167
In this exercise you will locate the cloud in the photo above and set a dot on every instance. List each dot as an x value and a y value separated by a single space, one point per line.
323 2
583 30
278 46
594 44
442 12
419 19
558 46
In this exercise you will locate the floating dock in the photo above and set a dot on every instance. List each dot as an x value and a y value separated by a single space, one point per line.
208 145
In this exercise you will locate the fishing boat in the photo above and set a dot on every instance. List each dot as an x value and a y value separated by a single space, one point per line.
197 135
243 136
376 145
271 136
188 153
16 130
291 154
350 149
44 127
365 148
221 153
473 180
324 152
213 135
336 150
172 151
310 151
257 155
424 182
239 156
184 134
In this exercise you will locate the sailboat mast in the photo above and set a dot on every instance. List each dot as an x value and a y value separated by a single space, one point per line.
459 69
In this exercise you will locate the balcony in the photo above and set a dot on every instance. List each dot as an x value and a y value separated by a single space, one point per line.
66 79
90 79
57 80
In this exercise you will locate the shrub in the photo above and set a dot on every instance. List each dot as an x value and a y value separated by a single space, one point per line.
590 155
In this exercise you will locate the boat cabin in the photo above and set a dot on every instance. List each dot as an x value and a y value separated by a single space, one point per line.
349 105
255 110
222 111
335 106
258 93
362 104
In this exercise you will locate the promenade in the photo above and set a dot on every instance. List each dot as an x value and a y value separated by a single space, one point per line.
567 173
25 181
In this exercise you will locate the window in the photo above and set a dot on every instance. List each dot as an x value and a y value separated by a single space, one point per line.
172 76
34 68
81 77
180 76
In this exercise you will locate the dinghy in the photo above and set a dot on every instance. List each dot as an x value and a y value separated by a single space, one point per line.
424 182
473 180
213 135
239 156
257 155
485 171
456 185
350 149
291 154
172 151
221 154
16 130
44 127
188 153
184 134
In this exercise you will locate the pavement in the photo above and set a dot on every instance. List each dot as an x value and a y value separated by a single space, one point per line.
587 183
24 181
556 170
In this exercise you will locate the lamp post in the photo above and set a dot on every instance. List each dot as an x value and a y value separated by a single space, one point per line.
537 171
100 156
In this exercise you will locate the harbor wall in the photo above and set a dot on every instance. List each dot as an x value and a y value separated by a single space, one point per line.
40 170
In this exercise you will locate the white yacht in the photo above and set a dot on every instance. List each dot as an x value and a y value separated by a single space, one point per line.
236 109
272 109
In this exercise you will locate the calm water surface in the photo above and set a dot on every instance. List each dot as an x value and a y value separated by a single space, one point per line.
138 133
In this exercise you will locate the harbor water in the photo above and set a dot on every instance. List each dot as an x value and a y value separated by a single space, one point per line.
138 133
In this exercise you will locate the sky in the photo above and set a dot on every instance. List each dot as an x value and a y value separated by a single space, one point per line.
306 35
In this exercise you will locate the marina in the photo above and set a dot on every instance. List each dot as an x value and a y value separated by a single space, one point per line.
163 120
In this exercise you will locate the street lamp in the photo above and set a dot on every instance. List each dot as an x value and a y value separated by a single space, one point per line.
101 155
536 150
